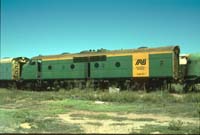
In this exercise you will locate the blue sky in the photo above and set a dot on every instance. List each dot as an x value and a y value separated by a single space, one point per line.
33 27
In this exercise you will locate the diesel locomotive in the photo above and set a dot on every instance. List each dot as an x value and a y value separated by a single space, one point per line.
131 69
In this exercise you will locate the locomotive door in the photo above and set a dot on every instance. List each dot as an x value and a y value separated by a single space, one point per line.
87 70
39 69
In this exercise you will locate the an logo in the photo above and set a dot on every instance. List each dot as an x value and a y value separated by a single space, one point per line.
141 62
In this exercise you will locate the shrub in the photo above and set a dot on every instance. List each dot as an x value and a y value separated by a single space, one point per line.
191 97
175 125
24 116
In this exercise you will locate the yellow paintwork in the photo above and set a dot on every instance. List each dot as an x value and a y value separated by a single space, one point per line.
109 54
160 52
15 70
126 54
140 70
6 60
57 58
140 64
140 60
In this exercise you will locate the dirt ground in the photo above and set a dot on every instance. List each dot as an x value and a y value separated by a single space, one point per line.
125 126
51 112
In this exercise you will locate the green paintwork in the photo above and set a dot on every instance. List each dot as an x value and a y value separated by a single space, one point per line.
108 69
29 71
193 65
61 69
160 65
6 71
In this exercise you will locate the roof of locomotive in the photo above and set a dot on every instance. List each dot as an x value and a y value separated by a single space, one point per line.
6 60
104 52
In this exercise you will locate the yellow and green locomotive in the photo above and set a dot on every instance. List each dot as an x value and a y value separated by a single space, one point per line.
143 68
132 69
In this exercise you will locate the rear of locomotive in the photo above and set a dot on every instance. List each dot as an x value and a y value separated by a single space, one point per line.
156 68
136 69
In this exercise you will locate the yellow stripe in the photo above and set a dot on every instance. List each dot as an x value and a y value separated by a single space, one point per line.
61 58
107 54
5 62
161 52
126 54
9 60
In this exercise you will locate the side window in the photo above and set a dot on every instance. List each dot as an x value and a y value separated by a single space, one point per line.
72 66
49 67
96 65
117 64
